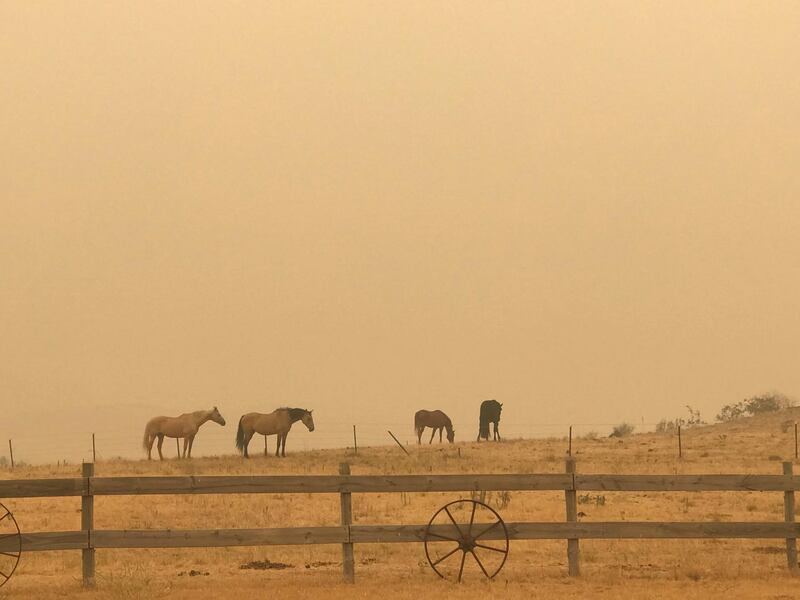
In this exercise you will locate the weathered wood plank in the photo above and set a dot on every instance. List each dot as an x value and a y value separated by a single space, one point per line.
39 488
74 540
49 540
287 484
686 483
622 530
235 484
194 538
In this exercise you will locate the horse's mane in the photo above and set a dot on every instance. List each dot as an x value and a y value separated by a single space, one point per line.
295 414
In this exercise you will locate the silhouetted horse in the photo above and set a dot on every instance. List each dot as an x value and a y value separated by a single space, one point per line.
436 420
490 413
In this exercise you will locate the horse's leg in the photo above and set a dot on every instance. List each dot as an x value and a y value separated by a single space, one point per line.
283 446
496 431
150 440
191 443
160 443
419 435
440 435
433 433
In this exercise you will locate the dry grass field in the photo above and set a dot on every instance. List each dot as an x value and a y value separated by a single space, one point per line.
610 569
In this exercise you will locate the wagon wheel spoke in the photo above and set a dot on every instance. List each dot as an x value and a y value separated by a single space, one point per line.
444 537
472 519
446 556
5 515
487 530
501 550
480 564
10 554
461 569
447 510
6 577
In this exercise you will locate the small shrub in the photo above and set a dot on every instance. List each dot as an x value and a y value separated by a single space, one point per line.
502 500
590 435
671 425
597 500
622 430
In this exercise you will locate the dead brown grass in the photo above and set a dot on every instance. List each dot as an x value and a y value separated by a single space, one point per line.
634 569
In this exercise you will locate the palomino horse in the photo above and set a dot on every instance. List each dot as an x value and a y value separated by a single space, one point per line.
436 420
278 422
185 427
490 413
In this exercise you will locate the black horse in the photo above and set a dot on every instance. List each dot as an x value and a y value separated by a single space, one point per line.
490 413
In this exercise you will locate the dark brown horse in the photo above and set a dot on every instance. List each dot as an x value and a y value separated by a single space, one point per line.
490 413
436 420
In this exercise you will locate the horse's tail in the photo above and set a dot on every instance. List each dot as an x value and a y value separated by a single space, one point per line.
147 437
417 419
240 436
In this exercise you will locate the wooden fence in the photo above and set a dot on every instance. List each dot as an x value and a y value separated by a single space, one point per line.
88 539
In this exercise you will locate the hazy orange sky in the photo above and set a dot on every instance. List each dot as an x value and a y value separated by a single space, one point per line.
589 211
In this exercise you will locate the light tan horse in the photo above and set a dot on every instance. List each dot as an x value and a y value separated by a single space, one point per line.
277 422
185 427
436 420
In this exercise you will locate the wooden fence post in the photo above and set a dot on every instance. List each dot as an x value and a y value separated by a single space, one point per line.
348 566
571 497
265 445
680 446
788 510
569 450
87 525
94 451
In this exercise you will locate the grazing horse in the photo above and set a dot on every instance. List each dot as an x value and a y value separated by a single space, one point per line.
185 427
490 413
278 421
436 420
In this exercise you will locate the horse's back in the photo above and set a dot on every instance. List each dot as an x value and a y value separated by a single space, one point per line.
431 418
155 422
267 423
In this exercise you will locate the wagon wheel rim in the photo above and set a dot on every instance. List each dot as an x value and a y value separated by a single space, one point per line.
466 539
10 544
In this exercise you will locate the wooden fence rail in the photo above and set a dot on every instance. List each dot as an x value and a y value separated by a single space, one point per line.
89 539
358 484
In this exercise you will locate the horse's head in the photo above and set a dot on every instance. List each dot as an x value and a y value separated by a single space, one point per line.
216 417
308 420
451 435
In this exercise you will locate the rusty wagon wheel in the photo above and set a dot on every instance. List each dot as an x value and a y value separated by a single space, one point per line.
10 544
484 536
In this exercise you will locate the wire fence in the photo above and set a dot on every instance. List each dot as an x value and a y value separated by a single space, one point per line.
74 447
